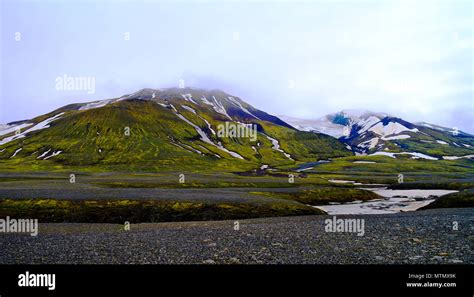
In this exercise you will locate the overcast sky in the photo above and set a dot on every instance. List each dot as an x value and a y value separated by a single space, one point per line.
303 59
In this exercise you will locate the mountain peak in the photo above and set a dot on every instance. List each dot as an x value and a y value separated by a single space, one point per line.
169 125
357 114
365 132
178 92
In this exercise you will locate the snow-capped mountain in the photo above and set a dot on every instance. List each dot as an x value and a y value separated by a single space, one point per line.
369 132
167 128
337 124
230 107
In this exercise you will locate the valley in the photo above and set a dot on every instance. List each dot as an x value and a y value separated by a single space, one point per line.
183 195
145 178
154 156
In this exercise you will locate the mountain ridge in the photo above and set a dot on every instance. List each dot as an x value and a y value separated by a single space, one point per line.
169 128
367 132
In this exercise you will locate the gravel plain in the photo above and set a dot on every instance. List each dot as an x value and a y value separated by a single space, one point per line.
421 237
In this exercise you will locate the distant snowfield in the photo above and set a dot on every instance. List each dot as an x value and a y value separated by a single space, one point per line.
414 155
365 132
320 125
420 156
388 193
393 205
388 205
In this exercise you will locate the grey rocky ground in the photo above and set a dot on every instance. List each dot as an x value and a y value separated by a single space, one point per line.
415 237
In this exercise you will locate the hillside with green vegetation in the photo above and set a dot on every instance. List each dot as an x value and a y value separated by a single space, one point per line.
463 198
127 155
147 132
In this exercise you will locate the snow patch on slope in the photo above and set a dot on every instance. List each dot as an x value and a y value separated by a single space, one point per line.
390 129
204 99
320 126
96 104
43 154
414 155
41 125
16 152
208 125
367 123
52 155
458 157
206 139
189 97
218 107
189 108
7 129
276 147
237 103
369 143
396 137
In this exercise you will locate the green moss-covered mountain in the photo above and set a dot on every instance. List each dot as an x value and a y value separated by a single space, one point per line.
159 129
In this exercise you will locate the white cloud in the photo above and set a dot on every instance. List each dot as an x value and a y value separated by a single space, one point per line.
412 59
399 57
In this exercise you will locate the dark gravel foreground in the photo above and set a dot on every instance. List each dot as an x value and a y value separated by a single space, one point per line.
405 238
